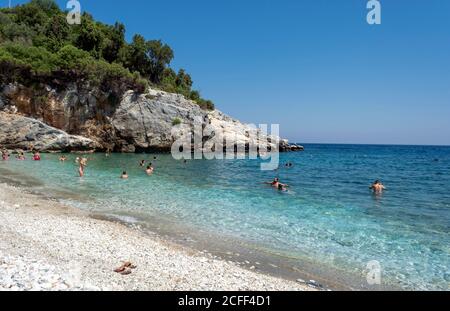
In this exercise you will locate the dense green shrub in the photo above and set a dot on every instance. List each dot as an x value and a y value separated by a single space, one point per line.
68 62
176 121
38 59
206 104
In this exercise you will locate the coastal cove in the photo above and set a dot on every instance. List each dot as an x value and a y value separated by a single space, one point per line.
320 230
225 154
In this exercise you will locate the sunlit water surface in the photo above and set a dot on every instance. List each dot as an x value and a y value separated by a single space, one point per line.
328 216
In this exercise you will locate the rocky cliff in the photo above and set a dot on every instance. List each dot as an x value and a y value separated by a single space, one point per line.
77 118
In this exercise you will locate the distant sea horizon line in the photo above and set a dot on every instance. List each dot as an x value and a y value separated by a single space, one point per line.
368 144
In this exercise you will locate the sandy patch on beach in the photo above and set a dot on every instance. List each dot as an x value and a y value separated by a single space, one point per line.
48 246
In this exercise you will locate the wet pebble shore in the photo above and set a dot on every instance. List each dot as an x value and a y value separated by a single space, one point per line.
48 246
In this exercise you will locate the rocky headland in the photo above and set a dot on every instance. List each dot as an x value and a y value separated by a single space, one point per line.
75 118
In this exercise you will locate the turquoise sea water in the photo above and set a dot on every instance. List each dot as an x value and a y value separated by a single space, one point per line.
329 217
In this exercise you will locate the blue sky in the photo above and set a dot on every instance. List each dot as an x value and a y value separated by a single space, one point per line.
313 66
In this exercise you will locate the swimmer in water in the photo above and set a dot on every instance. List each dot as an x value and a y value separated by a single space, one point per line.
273 183
149 170
142 163
281 187
62 158
37 156
276 183
124 175
21 156
5 155
83 163
377 187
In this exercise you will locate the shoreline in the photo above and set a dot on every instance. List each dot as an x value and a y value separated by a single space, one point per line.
237 251
50 246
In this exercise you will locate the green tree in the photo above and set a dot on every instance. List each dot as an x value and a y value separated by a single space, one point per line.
168 82
160 55
32 16
69 57
11 31
49 7
184 80
90 37
56 33
134 56
114 42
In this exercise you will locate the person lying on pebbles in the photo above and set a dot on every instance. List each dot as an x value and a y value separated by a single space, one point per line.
125 268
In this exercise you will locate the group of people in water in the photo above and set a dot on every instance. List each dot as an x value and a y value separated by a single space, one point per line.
82 163
377 187
148 169
20 156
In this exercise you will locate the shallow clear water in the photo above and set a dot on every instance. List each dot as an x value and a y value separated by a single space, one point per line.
328 217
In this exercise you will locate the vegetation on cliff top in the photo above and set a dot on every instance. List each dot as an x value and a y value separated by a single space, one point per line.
38 45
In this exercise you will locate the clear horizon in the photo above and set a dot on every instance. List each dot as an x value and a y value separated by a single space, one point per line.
314 67
365 144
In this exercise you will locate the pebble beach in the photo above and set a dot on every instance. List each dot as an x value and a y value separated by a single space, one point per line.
48 246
